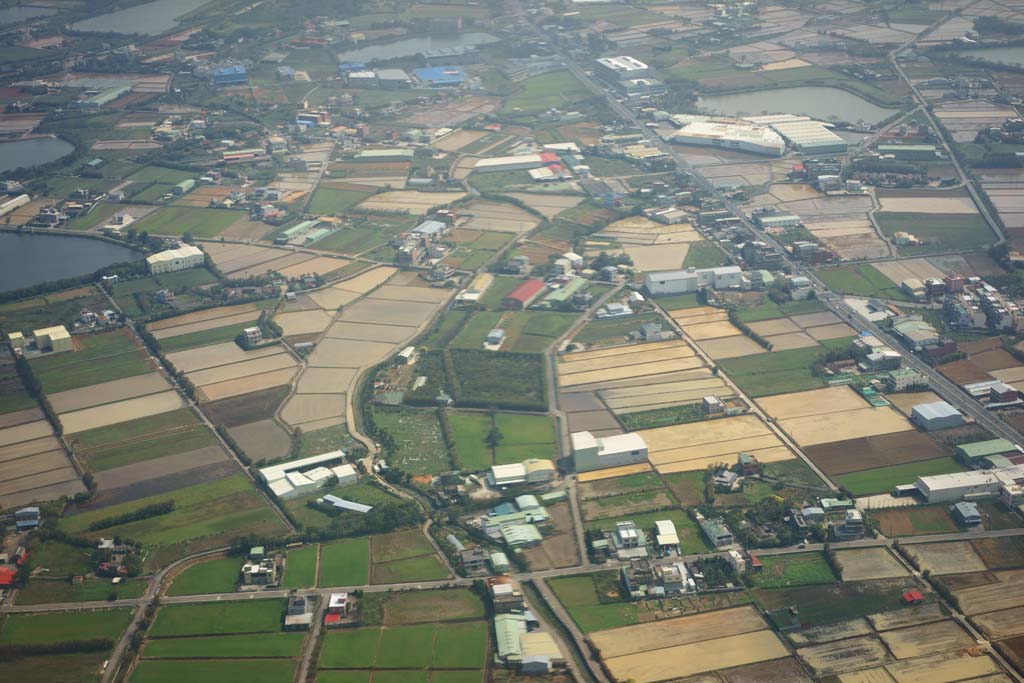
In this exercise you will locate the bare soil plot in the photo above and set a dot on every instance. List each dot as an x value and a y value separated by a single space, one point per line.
612 472
825 332
108 392
863 564
684 313
245 229
927 639
303 408
856 455
631 371
204 357
20 417
368 332
426 295
851 424
994 359
917 204
711 330
1007 592
794 340
122 411
1009 375
459 139
209 324
906 269
366 280
497 217
34 464
26 448
347 353
42 487
686 660
245 368
876 675
908 616
712 431
828 633
404 313
559 548
331 299
1000 553
548 204
321 265
141 472
815 402
245 385
25 432
325 380
816 319
262 440
776 671
943 668
653 257
680 631
956 557
582 362
731 347
303 322
963 372
851 654
770 327
215 314
275 265
416 203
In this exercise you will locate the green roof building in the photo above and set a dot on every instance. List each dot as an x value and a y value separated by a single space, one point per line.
508 628
971 453
521 535
910 152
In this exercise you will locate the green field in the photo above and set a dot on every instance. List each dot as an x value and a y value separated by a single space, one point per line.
861 280
215 618
662 417
778 372
41 591
428 606
828 603
63 307
769 310
101 358
885 479
914 521
418 444
205 516
499 289
83 668
424 646
486 379
942 232
227 647
539 93
327 200
691 540
164 434
300 567
615 330
593 609
214 671
469 431
524 437
782 571
345 563
704 255
58 627
422 568
178 220
678 302
212 576
203 338
364 493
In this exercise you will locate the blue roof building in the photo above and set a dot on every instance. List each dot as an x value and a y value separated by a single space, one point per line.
345 67
230 75
440 76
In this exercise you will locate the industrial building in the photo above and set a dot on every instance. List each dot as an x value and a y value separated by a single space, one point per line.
531 471
440 76
727 133
612 70
974 454
692 279
230 75
521 297
519 162
803 133
975 484
297 477
54 339
934 416
393 79
909 152
591 452
184 257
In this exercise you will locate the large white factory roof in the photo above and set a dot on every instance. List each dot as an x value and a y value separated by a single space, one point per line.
622 63
184 251
711 130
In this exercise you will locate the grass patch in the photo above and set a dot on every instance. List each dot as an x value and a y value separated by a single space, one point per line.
146 438
400 545
678 302
178 220
81 668
327 200
345 563
416 607
350 648
614 330
406 647
556 89
769 310
942 232
212 576
214 618
418 446
687 487
914 521
40 591
423 568
300 568
800 569
100 358
704 255
837 601
192 340
214 671
469 432
861 280
780 372
524 437
59 627
485 379
885 479
662 417
226 647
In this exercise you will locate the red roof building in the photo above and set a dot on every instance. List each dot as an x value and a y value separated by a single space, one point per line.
913 598
7 574
521 297
332 619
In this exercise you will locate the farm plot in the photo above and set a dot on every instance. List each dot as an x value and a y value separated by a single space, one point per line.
871 452
548 204
314 411
97 358
672 632
345 563
419 446
957 557
943 668
869 563
121 411
497 217
642 360
1005 623
927 639
915 520
694 446
108 392
34 466
262 440
1000 553
1006 592
810 422
142 439
829 659
415 203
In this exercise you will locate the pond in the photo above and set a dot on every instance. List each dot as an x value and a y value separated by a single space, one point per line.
15 15
32 152
1006 55
410 46
150 19
814 101
32 259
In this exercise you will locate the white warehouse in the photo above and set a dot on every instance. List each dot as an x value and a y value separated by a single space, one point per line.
948 488
184 257
591 452
294 478
726 133
692 279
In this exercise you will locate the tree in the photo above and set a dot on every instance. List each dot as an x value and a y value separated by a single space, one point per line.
494 437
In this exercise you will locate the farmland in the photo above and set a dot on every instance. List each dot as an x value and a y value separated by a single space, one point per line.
345 563
416 434
211 576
